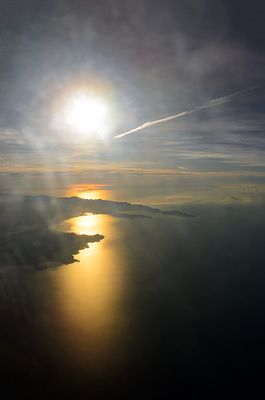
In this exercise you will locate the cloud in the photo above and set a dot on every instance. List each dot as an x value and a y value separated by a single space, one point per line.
11 136
189 55
212 103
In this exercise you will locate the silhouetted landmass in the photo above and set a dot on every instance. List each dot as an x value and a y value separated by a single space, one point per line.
42 248
130 216
25 222
178 213
23 212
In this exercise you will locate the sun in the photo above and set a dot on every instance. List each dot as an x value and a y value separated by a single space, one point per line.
86 114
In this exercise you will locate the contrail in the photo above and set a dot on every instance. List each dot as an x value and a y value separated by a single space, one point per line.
209 104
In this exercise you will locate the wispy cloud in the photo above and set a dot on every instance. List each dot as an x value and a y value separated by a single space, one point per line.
212 103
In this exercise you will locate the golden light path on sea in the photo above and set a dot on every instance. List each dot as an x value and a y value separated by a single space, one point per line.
89 304
90 192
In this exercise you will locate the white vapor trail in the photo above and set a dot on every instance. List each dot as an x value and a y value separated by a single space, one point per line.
209 104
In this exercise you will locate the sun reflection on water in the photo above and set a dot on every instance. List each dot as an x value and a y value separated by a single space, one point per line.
90 192
90 301
88 224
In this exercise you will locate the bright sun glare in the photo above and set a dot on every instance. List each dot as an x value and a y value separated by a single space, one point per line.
86 114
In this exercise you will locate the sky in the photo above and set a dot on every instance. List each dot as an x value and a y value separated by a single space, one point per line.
198 282
148 60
